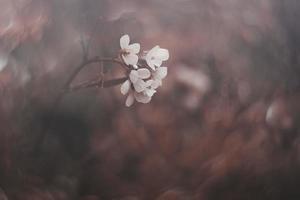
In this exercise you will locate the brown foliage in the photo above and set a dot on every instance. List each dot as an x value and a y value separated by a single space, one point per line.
224 125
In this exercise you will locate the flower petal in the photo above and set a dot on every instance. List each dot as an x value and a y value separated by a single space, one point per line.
150 57
161 72
130 59
156 56
156 83
140 85
149 83
133 76
157 62
162 54
150 92
124 41
142 98
150 64
125 87
134 48
153 51
144 73
129 100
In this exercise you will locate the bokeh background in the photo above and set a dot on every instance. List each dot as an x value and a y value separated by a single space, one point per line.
224 125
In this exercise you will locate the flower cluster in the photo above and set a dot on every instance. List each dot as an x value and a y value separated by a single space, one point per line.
145 72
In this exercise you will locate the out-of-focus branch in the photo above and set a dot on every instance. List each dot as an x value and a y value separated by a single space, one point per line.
94 83
97 83
85 63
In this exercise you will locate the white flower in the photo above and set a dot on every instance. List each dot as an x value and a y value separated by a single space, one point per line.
125 89
158 75
141 92
142 82
145 96
156 56
142 97
140 89
150 88
137 76
129 51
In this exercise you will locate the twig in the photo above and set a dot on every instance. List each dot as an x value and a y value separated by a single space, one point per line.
85 63
66 87
96 83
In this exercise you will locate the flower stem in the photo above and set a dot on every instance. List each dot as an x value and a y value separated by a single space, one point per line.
85 63
97 83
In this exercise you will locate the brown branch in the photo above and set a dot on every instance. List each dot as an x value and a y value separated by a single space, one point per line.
66 87
85 63
97 83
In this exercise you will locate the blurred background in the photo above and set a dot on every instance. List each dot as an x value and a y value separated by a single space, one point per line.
224 125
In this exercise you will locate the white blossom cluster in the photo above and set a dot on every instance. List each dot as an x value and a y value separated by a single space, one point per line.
146 72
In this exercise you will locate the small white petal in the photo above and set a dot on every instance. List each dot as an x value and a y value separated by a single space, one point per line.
156 56
140 85
144 73
129 100
142 98
162 54
134 76
150 92
156 83
149 83
153 50
150 57
130 59
161 72
157 62
134 48
124 41
150 64
125 87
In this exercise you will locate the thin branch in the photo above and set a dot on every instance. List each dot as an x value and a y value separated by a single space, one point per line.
66 87
97 83
85 63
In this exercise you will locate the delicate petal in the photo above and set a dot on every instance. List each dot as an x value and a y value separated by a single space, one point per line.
157 62
156 56
161 72
152 51
150 64
150 54
144 73
156 84
134 76
140 85
124 41
150 92
149 83
150 57
142 98
129 100
125 87
162 54
134 48
130 59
